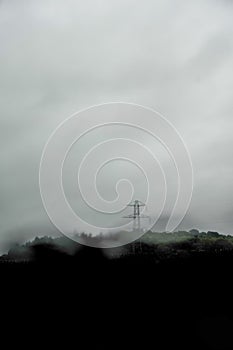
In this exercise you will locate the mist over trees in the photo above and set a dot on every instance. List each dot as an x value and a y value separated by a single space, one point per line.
158 246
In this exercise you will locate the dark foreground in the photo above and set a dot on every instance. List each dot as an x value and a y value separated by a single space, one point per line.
86 300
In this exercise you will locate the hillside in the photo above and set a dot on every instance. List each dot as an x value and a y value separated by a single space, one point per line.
169 290
151 246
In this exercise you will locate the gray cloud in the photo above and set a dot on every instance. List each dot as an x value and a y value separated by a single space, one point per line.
60 56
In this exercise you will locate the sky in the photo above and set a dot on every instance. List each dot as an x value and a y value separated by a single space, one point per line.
58 57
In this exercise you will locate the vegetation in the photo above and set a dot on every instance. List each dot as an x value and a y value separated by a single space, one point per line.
155 246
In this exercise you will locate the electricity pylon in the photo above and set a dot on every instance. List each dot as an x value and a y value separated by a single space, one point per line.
136 216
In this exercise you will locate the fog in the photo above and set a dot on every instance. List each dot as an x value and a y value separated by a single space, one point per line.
58 57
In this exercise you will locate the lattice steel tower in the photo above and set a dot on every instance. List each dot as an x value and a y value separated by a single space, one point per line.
136 216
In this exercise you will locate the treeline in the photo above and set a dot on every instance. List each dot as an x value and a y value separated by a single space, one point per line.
155 246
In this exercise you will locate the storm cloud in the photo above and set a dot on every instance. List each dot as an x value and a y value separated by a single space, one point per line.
61 56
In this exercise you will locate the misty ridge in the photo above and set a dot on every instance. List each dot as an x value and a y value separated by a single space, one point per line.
151 247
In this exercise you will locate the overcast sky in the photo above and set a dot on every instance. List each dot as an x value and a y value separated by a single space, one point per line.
57 57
